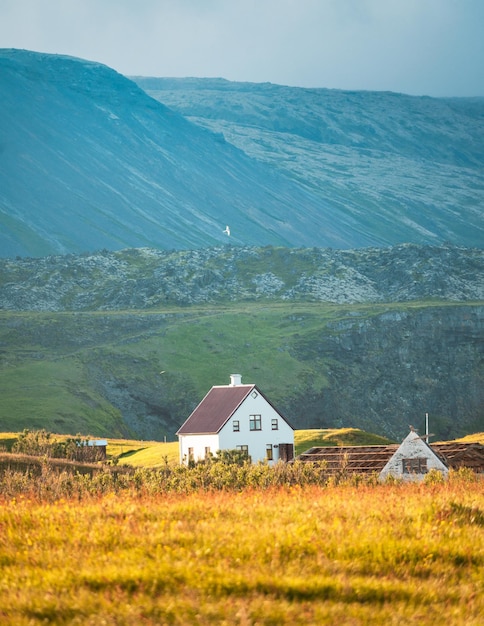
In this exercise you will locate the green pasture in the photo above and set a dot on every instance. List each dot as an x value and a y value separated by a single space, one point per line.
53 365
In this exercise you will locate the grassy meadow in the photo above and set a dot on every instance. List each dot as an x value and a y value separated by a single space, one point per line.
57 367
369 554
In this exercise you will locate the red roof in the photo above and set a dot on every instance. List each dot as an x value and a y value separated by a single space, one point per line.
215 409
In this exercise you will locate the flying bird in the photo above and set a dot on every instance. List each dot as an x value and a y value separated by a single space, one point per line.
227 231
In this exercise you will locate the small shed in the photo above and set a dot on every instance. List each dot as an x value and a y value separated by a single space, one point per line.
413 459
91 450
376 459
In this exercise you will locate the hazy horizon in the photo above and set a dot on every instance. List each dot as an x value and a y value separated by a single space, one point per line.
417 47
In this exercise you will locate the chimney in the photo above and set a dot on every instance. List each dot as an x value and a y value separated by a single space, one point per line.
235 379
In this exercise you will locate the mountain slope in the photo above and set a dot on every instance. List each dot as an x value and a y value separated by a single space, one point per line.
403 168
89 161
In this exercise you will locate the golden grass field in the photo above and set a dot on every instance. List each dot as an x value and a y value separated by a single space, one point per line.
163 544
388 554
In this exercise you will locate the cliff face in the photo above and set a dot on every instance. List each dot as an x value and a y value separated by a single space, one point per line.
387 370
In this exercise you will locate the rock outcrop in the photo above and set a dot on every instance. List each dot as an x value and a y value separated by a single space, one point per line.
146 278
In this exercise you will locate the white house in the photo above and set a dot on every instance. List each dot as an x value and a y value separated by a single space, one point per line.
413 459
236 417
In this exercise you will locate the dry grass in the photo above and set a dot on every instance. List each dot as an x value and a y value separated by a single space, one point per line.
383 554
144 453
474 438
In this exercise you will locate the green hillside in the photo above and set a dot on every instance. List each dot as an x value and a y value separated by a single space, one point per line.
367 366
56 366
305 439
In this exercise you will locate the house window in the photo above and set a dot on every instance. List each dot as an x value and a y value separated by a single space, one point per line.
207 451
255 422
275 424
190 454
414 466
254 394
269 452
244 449
236 426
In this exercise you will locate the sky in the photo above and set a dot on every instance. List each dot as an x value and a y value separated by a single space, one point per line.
418 47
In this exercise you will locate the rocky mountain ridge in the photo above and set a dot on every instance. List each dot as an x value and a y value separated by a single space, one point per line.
148 278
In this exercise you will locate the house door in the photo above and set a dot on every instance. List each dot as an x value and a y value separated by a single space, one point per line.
286 452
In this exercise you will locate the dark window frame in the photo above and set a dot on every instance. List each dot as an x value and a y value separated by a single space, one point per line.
417 465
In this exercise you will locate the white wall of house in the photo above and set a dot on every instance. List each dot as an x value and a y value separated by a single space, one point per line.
199 444
412 460
256 440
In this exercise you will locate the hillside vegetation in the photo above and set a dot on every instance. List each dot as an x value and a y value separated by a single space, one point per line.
371 339
146 278
377 368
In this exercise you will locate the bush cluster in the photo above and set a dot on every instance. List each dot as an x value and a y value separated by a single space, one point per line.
43 477
43 443
52 483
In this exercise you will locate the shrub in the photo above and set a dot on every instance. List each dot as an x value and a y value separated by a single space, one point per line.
34 443
434 476
43 443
